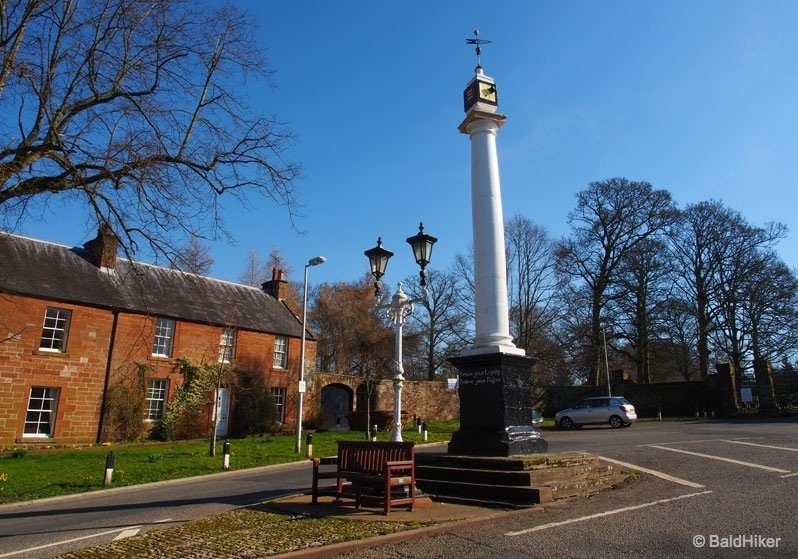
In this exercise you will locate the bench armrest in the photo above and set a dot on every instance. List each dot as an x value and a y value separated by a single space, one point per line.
325 461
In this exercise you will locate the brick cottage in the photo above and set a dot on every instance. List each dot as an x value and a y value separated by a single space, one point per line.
75 320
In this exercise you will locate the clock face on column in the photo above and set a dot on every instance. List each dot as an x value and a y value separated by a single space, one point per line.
480 92
487 93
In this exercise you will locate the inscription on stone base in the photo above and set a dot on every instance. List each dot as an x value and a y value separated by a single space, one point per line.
495 406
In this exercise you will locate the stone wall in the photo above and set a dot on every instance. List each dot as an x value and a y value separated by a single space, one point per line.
430 400
672 399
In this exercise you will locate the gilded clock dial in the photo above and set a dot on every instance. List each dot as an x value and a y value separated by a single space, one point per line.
487 92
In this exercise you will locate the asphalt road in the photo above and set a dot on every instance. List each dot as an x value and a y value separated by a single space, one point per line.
713 480
716 490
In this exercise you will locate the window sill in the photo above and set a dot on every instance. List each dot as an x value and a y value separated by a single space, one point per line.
59 354
159 358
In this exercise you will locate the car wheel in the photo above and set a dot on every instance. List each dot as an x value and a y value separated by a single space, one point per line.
616 422
567 423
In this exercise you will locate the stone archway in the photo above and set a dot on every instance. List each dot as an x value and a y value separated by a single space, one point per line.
337 401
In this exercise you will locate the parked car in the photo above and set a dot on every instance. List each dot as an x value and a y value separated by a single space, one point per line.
537 419
615 410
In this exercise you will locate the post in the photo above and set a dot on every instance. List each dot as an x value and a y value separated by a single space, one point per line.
109 469
309 444
301 388
424 428
607 364
374 433
226 455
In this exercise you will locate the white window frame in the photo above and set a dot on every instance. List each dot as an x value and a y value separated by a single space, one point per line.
278 395
163 340
41 411
280 360
55 330
227 345
157 392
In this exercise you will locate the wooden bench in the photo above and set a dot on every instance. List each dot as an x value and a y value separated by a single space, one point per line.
372 469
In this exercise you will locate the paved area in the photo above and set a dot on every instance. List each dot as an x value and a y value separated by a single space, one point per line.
425 512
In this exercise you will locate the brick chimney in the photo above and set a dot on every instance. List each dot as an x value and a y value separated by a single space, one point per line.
103 248
276 287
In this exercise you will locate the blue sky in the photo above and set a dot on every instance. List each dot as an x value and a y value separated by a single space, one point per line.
698 97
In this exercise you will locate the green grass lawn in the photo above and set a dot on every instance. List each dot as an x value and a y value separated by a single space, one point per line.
35 474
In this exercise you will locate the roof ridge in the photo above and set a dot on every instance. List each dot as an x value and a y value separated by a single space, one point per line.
131 261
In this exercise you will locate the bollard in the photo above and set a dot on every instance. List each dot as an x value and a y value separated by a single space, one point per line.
696 413
659 415
705 413
424 428
418 424
374 432
109 469
226 455
309 444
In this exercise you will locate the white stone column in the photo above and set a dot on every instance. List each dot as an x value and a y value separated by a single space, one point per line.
490 268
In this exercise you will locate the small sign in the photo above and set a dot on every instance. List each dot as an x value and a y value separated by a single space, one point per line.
746 396
451 383
302 386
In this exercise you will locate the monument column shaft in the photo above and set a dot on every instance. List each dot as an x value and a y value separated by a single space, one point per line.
490 269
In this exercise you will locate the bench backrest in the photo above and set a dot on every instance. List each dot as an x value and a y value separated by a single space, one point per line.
371 456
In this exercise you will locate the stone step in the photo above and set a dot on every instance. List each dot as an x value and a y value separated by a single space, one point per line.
470 462
499 477
515 481
572 473
508 494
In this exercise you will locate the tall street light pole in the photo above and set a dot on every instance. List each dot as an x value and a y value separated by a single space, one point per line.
400 307
312 262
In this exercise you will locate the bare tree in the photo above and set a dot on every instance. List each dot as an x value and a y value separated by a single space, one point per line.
256 271
611 218
712 245
531 262
194 258
637 299
135 108
441 323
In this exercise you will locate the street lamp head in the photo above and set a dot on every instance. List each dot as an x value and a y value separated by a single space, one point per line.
378 261
316 261
422 250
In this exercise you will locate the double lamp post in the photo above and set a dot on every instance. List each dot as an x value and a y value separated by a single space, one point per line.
400 307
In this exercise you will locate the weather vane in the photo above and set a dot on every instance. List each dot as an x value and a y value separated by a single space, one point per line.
477 41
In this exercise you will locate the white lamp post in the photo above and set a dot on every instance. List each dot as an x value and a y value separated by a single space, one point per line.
400 307
312 262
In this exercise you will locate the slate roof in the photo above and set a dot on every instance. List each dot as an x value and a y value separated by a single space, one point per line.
69 274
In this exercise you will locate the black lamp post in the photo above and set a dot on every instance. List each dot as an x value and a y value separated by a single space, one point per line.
378 260
422 250
400 307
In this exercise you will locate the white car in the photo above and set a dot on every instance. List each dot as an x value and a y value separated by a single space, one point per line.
615 410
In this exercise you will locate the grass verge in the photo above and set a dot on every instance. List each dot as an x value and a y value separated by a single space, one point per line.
35 474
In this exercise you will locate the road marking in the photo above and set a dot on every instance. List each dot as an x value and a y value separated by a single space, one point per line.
790 475
661 475
729 460
64 542
694 441
762 445
603 514
127 533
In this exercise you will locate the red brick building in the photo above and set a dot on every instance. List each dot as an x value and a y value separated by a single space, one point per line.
75 320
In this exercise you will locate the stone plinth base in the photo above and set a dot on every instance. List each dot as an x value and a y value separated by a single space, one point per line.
495 392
